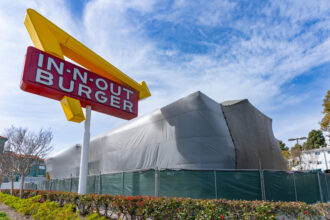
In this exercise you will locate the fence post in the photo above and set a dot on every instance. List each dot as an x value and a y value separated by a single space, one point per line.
262 182
326 184
94 183
50 185
70 186
262 185
215 184
320 188
100 183
295 188
156 182
123 185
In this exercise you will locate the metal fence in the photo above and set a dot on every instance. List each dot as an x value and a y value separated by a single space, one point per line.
205 184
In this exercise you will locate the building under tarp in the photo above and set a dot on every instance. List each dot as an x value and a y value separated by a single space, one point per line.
193 133
193 147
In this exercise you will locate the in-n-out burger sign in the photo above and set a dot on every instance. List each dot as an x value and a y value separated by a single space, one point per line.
49 76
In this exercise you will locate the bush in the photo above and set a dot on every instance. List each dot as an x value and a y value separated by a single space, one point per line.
138 207
38 208
3 216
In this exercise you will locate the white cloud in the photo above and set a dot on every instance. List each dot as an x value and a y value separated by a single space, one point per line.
254 67
298 11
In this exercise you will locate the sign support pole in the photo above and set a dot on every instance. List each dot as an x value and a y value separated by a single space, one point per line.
84 153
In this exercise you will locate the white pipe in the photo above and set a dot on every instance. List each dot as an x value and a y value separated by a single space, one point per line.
326 161
84 153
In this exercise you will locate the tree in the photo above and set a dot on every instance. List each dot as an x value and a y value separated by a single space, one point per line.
285 152
325 123
283 146
7 167
27 148
296 156
315 140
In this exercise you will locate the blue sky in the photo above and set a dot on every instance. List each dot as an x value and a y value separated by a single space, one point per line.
275 53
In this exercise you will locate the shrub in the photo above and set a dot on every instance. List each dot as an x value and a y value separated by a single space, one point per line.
138 207
3 216
38 208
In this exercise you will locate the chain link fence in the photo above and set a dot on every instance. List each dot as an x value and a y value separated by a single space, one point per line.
208 184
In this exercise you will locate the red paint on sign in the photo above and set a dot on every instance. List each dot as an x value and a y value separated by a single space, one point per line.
51 77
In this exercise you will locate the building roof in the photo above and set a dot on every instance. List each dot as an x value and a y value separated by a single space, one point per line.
27 156
318 149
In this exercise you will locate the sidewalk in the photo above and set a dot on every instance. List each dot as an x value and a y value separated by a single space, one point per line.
12 214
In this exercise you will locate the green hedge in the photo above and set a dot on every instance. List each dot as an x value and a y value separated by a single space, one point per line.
138 207
39 210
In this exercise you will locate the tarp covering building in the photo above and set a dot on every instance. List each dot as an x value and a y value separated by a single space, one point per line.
194 133
253 137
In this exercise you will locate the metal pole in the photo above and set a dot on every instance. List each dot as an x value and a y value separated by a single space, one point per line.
94 184
320 188
156 182
295 188
100 184
215 184
84 153
70 182
262 182
325 160
123 184
262 185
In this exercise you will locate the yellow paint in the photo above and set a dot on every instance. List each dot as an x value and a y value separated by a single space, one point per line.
72 109
52 39
45 39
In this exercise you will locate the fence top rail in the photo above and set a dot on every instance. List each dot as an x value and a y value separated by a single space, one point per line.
222 170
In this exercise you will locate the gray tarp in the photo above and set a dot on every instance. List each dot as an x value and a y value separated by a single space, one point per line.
253 136
190 133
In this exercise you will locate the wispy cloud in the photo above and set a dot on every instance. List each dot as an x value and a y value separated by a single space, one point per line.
226 50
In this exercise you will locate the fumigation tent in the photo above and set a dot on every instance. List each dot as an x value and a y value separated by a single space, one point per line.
194 133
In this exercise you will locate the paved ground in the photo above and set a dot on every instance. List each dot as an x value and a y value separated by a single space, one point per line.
12 214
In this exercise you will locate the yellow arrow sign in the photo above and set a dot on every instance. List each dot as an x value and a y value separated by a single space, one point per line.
48 37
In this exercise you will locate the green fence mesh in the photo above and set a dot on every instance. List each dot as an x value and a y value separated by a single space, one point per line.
238 185
97 184
74 187
246 185
43 185
327 181
307 187
91 184
187 183
112 184
279 186
139 183
324 188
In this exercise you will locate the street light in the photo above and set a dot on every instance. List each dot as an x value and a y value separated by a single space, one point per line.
299 154
296 139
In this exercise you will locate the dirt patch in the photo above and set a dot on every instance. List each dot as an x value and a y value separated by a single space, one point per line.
12 214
